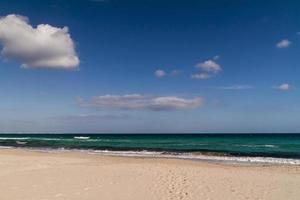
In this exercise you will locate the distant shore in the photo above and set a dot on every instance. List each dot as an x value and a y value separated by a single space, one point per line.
74 175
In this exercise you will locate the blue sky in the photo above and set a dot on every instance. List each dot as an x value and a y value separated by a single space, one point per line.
149 66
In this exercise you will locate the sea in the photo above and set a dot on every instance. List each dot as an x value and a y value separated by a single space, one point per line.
226 148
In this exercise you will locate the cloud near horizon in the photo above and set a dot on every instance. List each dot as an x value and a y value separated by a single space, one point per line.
90 118
45 46
142 102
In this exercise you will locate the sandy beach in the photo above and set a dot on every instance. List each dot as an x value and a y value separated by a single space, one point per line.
32 175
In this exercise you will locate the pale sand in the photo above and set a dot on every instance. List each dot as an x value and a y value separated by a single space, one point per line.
39 176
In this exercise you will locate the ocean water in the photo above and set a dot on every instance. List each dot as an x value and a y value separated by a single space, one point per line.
245 148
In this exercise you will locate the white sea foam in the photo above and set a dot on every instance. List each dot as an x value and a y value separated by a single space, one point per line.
6 147
14 138
21 142
228 159
187 156
82 137
270 145
256 145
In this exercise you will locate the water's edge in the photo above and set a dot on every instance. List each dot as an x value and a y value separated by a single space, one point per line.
222 159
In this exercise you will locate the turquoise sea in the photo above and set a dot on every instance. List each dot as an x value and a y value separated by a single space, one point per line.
256 148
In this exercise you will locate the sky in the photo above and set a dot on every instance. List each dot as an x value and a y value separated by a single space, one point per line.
151 66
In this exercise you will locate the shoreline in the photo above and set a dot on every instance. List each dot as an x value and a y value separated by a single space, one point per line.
76 175
199 157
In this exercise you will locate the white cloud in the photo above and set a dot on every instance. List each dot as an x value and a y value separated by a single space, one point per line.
283 87
209 66
45 46
207 69
200 76
160 73
237 87
142 102
298 33
283 44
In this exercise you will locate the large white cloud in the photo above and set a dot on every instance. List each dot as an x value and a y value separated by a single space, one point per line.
142 102
45 46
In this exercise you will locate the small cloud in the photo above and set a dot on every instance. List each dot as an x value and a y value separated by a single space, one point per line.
208 69
44 46
142 102
200 76
283 87
298 33
237 87
283 44
160 73
209 66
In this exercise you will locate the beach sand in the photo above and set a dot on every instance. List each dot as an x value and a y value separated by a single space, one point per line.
32 175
